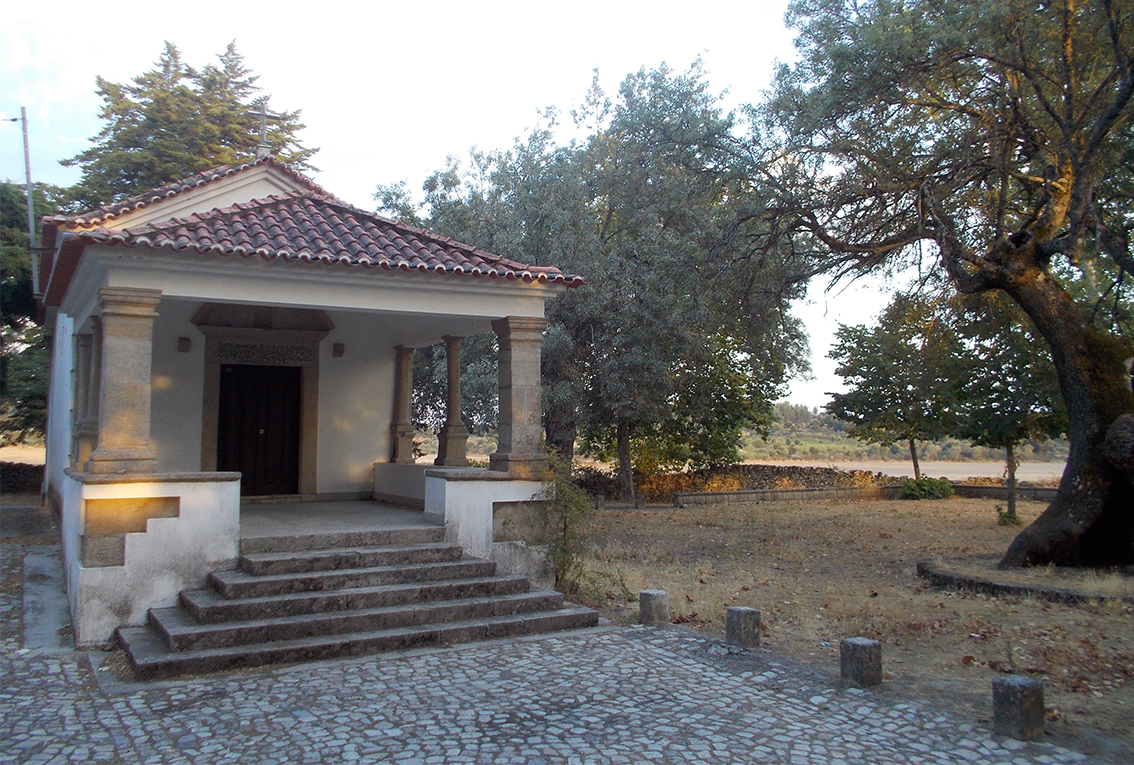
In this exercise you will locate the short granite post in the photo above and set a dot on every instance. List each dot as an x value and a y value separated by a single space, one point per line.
742 627
1017 707
860 662
653 607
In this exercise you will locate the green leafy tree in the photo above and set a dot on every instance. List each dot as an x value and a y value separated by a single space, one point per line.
174 121
654 207
995 137
24 346
23 386
1010 393
904 376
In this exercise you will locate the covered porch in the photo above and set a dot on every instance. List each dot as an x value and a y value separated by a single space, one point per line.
209 347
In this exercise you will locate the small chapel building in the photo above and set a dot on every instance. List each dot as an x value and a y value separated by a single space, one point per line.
243 333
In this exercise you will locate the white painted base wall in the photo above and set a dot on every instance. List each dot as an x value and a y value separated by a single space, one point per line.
462 499
400 483
171 555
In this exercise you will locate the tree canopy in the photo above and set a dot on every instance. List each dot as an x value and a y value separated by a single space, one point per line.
905 376
1009 393
174 121
992 136
24 346
682 334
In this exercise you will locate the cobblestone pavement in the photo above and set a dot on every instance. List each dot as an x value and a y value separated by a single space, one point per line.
611 695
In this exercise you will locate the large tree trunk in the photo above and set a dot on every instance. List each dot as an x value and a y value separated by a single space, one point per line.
560 431
913 456
625 469
1091 520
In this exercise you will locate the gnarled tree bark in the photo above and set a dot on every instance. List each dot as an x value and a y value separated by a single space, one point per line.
1091 519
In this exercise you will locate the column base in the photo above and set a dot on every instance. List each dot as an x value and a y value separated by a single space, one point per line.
402 436
130 459
451 446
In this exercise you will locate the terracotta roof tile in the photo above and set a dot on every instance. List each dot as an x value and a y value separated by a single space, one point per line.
309 225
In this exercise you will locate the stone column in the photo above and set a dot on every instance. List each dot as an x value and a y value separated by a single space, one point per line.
453 436
518 449
124 394
401 432
81 438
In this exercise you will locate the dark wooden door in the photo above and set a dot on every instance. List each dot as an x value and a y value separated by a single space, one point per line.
258 427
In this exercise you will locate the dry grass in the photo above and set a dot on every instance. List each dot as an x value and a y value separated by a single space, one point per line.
820 572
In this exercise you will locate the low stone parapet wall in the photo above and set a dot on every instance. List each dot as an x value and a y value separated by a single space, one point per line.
762 496
1026 493
826 494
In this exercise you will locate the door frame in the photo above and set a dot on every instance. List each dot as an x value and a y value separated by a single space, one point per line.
266 346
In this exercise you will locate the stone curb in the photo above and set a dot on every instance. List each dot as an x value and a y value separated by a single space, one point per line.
943 578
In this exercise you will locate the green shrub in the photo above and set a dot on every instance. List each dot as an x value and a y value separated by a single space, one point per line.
1005 518
926 488
563 510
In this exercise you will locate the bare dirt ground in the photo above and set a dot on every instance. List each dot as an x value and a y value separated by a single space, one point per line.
820 572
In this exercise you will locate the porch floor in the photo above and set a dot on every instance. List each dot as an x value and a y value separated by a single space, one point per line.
277 519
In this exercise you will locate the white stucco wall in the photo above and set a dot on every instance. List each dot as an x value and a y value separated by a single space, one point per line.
356 402
402 483
171 555
178 388
462 499
60 401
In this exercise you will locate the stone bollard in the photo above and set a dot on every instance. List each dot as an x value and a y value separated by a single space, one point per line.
653 607
1017 707
742 627
860 662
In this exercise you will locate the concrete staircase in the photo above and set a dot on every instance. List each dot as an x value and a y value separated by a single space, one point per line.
319 596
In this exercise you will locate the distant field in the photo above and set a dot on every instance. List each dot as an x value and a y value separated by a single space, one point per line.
29 455
954 471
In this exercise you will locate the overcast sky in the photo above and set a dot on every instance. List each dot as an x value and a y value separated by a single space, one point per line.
388 90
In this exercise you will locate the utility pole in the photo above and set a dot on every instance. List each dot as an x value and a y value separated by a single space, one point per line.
33 245
33 248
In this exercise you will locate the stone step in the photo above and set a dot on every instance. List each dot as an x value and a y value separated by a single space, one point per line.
260 564
239 584
180 633
151 658
388 537
210 607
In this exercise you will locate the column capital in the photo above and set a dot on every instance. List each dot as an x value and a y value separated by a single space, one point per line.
519 328
136 301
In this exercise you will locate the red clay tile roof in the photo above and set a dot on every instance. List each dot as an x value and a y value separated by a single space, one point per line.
130 204
313 227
